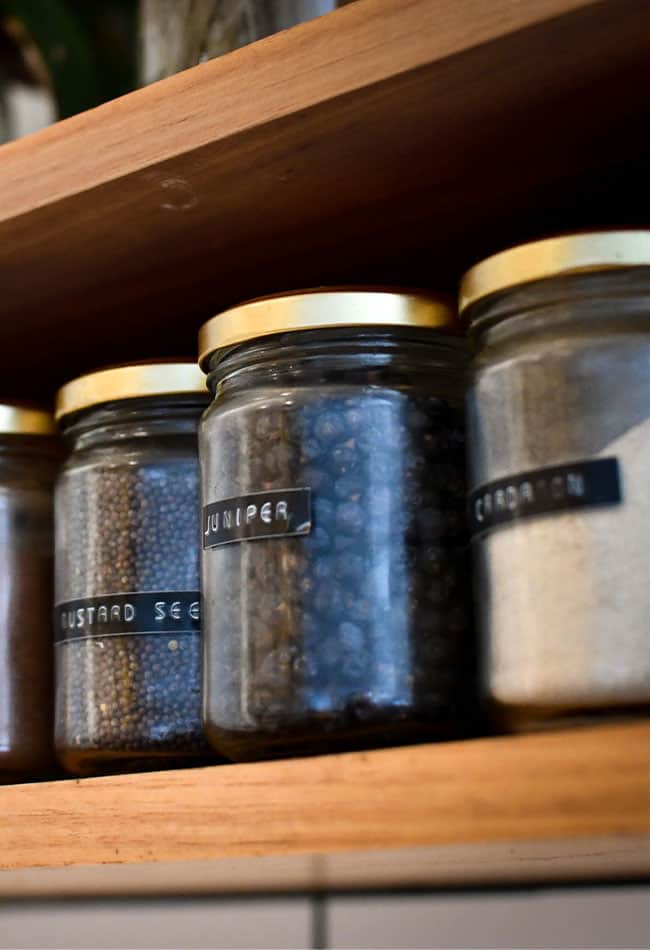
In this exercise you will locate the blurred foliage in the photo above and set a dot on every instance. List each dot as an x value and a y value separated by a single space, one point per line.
80 53
84 50
112 26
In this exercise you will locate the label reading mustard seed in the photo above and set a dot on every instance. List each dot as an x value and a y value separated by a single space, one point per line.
175 611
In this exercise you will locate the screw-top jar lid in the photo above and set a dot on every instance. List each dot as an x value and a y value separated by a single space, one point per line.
554 257
131 381
25 420
325 308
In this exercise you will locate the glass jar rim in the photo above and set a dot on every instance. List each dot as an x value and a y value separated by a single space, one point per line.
560 256
326 308
129 381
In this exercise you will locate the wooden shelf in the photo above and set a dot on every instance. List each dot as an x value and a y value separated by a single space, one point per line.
571 804
389 141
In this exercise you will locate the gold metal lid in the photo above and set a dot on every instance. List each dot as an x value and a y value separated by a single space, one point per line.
323 308
552 257
130 381
25 420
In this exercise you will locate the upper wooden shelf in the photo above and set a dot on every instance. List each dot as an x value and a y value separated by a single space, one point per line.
388 142
572 804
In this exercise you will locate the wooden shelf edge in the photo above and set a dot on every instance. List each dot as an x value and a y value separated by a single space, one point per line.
358 46
449 866
384 143
485 805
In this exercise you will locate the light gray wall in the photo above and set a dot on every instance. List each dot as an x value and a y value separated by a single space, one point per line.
614 917
160 924
592 918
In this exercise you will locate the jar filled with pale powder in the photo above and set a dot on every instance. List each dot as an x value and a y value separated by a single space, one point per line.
559 436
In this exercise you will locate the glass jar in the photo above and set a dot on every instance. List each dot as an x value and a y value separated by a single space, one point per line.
29 457
128 651
559 438
333 572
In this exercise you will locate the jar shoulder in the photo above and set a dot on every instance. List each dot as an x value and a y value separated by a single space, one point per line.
22 474
171 451
266 397
594 352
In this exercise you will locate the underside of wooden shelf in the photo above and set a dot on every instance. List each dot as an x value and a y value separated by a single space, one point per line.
390 142
555 806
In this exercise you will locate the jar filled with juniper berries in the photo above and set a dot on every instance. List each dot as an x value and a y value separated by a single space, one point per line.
335 589
127 615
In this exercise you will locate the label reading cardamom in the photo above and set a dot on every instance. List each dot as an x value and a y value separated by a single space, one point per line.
541 491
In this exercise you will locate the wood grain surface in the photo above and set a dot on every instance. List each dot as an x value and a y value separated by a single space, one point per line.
389 141
517 863
489 807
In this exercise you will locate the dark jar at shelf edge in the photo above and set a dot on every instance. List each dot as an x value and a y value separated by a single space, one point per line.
30 455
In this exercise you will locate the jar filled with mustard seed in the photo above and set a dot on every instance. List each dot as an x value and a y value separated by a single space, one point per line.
127 616
335 590
30 454
559 438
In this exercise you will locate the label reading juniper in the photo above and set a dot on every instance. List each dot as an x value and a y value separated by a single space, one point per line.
583 484
175 611
269 514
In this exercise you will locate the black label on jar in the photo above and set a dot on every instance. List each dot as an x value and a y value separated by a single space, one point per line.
544 490
269 514
160 611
